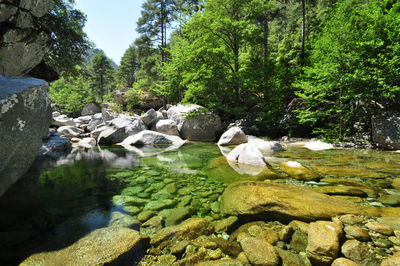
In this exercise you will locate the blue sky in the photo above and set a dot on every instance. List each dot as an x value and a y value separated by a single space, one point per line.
111 25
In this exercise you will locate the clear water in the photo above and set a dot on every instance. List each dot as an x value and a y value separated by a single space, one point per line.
61 199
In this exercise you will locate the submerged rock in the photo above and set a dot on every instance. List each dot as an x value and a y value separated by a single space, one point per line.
233 136
297 171
285 202
323 242
259 252
25 116
116 245
189 229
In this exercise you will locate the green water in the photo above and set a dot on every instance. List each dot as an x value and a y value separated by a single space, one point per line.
60 200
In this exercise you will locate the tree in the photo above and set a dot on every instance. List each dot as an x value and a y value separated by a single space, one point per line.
69 43
354 68
128 67
156 18
71 92
101 74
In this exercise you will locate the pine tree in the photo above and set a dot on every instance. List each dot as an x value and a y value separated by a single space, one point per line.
128 67
102 74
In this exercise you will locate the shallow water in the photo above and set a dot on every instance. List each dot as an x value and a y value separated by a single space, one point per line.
61 199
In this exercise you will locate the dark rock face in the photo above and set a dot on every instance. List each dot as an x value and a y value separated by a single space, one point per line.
386 131
25 116
22 43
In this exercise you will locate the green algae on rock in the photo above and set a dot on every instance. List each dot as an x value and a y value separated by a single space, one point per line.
107 245
284 202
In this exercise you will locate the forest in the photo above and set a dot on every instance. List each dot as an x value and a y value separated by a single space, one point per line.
318 68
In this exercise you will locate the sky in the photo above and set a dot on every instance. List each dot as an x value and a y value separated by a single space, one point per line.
111 25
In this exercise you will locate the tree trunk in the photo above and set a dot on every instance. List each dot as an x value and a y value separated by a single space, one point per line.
303 31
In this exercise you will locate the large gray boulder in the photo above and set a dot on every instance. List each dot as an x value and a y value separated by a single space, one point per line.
119 129
96 120
166 126
386 131
22 43
151 117
194 122
233 136
91 109
25 116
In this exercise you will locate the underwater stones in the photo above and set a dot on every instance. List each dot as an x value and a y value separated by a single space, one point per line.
194 122
188 229
222 262
145 215
233 136
246 154
289 258
380 228
392 261
392 200
176 215
357 251
347 172
318 146
343 262
356 232
148 137
114 245
259 252
160 204
396 183
297 171
323 242
342 190
224 224
119 219
285 202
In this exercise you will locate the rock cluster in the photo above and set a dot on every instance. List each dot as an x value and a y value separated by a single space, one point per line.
108 127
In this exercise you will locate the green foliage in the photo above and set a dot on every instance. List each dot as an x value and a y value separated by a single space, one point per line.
102 75
354 68
133 98
71 93
128 67
68 43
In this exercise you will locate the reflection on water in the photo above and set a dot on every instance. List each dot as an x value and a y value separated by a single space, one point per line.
61 199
